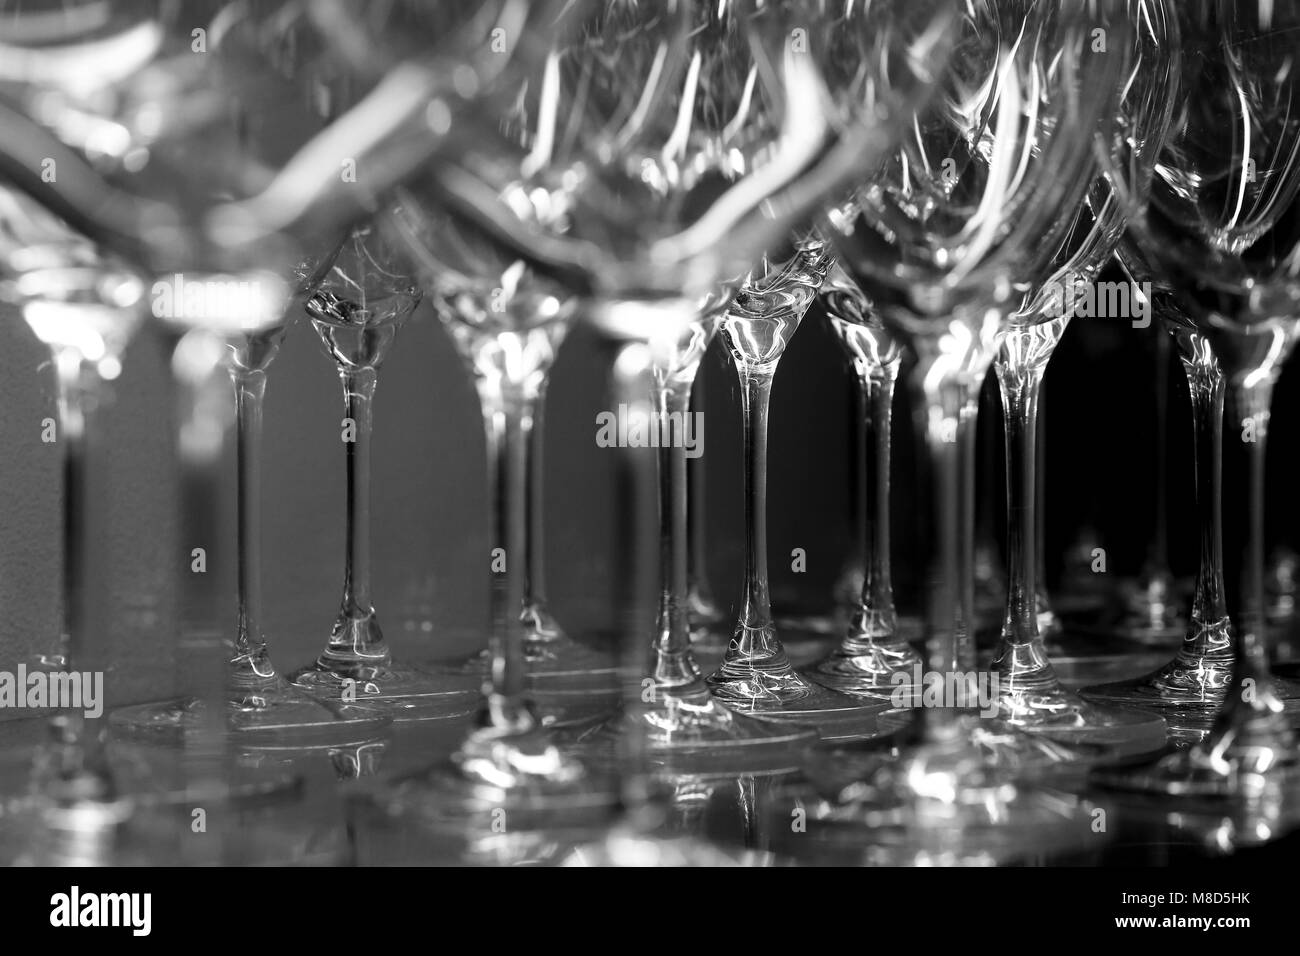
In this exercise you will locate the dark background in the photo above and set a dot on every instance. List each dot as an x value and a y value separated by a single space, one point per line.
430 524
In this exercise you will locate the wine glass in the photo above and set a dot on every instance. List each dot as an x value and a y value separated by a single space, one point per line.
613 183
876 646
756 675
681 722
1218 243
190 189
85 308
947 241
1032 696
357 310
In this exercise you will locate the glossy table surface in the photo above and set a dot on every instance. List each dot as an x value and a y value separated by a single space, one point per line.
326 807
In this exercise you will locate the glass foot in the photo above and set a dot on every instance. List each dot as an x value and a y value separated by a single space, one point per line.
993 742
947 799
280 716
403 691
1183 694
806 639
867 667
687 731
562 662
767 687
1066 717
504 781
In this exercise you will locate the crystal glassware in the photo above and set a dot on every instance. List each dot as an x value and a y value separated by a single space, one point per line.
210 200
946 241
611 182
876 645
1218 242
357 309
756 676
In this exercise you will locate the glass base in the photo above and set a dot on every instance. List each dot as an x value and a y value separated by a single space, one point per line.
768 688
806 639
1182 695
1221 816
950 798
687 731
992 742
150 777
504 781
864 667
278 717
1250 749
559 663
404 692
1066 717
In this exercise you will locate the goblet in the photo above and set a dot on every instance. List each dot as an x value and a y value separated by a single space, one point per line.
756 675
85 309
641 833
160 192
357 310
876 646
681 721
1032 696
1218 243
946 258
634 171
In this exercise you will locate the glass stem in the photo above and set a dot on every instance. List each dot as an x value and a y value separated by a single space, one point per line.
204 417
1209 607
1021 662
508 419
877 614
1158 555
701 594
534 577
250 663
1250 407
632 383
356 637
967 438
754 635
358 396
673 664
1042 600
86 566
940 400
